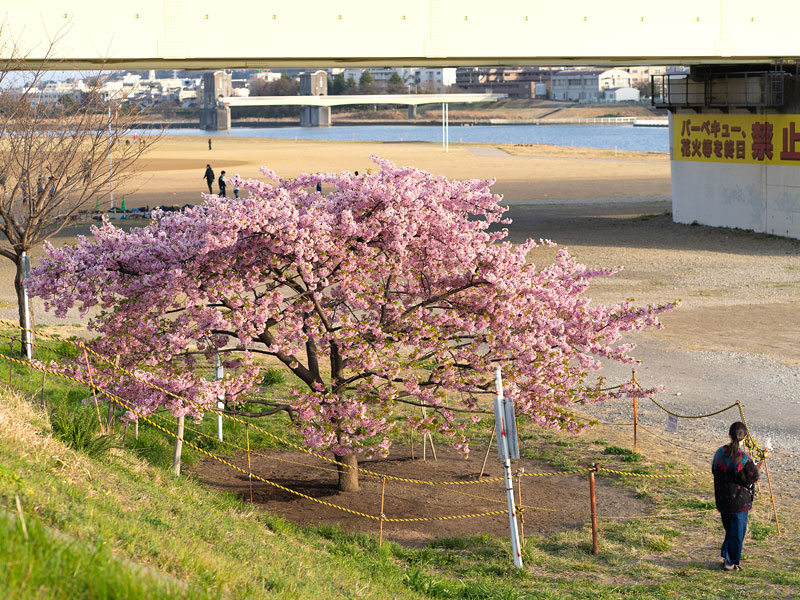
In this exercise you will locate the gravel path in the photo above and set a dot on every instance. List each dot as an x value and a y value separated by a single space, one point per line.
736 336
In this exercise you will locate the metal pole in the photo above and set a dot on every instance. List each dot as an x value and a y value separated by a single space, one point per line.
520 471
249 471
110 161
26 333
502 441
447 127
442 124
219 374
593 503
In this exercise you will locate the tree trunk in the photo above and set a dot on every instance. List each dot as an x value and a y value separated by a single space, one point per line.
348 473
20 290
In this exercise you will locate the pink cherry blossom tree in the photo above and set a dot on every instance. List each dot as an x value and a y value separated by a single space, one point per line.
391 289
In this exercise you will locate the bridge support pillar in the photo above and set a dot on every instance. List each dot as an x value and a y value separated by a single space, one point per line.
315 116
215 119
412 111
737 165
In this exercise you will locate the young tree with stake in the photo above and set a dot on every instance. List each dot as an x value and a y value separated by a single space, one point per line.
54 157
391 290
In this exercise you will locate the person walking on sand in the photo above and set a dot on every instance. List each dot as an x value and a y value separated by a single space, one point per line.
221 183
735 474
209 143
209 177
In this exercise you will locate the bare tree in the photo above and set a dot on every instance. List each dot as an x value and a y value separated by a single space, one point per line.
55 154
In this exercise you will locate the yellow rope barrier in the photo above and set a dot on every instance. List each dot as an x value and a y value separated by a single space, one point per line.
121 402
235 419
646 475
669 412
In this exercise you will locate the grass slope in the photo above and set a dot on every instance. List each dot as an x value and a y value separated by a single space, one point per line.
119 526
120 506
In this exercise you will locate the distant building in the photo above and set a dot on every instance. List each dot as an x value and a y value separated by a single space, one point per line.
588 85
640 76
314 83
515 82
434 80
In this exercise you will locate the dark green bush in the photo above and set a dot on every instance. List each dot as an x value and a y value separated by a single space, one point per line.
79 429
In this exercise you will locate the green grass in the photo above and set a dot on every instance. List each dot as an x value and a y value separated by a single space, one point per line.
35 560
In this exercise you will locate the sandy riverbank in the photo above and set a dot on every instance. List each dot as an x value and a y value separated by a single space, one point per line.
171 172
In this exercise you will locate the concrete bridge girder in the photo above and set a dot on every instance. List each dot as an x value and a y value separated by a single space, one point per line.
318 33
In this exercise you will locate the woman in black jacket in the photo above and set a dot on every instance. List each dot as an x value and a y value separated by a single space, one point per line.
735 474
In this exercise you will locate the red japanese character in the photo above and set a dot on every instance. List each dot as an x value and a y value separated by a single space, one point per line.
762 140
707 144
790 139
729 148
714 128
686 127
686 147
740 149
718 148
697 146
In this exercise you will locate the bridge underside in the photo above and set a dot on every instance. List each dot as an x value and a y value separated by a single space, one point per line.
200 34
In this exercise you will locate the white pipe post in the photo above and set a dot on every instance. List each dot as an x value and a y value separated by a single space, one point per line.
110 160
447 127
219 374
442 124
502 442
26 333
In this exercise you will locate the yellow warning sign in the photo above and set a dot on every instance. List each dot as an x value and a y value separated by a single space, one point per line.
744 139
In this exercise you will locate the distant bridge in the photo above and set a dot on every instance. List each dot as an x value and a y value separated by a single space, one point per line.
344 100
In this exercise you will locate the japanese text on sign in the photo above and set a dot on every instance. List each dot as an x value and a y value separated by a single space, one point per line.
743 139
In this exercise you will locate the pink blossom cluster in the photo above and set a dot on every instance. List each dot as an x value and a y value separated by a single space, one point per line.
393 288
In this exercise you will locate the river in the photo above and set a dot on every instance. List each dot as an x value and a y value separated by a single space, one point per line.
620 137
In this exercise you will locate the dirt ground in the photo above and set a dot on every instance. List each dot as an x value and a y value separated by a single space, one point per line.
555 503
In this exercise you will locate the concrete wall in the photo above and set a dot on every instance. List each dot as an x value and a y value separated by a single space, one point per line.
760 197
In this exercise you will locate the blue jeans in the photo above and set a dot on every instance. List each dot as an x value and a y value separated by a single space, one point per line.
735 525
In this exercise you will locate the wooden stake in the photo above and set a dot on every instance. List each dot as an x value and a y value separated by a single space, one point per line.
136 429
94 392
10 363
110 416
383 491
635 415
41 399
593 503
411 440
430 439
425 437
249 472
488 449
176 457
772 497
521 513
